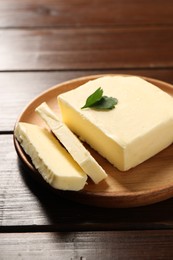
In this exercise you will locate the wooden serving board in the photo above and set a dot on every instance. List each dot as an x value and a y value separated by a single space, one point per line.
150 182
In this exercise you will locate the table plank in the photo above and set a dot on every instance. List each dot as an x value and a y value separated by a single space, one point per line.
129 245
52 13
86 48
42 44
27 205
20 88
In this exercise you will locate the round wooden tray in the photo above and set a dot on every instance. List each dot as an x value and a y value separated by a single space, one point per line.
150 182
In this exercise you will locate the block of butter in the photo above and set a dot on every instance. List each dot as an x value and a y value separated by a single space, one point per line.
73 145
140 126
53 162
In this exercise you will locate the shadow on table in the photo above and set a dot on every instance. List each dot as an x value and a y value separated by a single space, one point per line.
62 214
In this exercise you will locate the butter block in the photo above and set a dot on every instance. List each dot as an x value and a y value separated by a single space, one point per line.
53 162
73 145
140 126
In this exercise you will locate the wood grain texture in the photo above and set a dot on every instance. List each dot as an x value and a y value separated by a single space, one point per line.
86 48
147 183
130 245
77 13
71 39
27 205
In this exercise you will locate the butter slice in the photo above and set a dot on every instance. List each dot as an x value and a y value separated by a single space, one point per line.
73 145
53 162
140 126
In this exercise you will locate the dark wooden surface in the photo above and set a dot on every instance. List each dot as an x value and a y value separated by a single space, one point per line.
86 48
43 43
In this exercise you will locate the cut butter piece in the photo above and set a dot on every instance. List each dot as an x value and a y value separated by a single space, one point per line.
53 162
73 145
140 125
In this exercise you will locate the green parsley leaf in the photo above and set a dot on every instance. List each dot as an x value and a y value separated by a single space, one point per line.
99 102
105 103
93 98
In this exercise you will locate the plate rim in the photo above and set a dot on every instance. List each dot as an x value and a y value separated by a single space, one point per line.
129 195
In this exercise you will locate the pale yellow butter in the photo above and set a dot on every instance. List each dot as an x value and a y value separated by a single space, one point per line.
140 126
54 163
73 145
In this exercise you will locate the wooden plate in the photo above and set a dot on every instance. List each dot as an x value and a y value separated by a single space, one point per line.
150 182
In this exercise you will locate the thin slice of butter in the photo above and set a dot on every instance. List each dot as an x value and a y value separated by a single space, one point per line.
53 162
140 125
73 145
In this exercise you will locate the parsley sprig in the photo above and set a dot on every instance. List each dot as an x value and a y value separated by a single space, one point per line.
99 102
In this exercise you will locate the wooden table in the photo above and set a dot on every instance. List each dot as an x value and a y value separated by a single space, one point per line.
43 43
